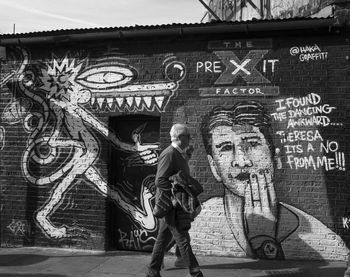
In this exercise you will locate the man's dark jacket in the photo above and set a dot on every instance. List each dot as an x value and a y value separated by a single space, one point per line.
171 162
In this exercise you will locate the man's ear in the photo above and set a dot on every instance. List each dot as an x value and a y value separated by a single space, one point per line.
214 168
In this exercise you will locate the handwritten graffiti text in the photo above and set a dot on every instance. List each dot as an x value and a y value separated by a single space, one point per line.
308 53
307 148
135 239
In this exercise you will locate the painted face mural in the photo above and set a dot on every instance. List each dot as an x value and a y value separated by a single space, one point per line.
242 157
62 138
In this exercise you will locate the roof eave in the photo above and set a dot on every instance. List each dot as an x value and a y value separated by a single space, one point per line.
173 30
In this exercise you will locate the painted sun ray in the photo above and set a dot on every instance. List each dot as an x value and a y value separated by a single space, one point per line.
59 76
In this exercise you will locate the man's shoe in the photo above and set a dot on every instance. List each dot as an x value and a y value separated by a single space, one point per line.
347 272
150 273
179 262
195 274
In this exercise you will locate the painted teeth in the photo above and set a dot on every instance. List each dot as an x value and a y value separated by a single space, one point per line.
130 102
138 101
148 101
100 102
159 101
109 102
119 101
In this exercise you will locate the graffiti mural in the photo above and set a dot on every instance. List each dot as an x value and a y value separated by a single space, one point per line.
133 178
243 159
16 111
230 69
135 240
2 137
82 125
18 227
303 143
6 78
237 10
64 130
111 85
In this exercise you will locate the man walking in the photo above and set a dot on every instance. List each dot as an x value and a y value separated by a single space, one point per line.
175 223
347 271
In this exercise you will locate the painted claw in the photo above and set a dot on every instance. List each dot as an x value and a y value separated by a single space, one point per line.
76 231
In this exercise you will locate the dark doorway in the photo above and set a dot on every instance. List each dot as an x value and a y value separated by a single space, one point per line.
132 176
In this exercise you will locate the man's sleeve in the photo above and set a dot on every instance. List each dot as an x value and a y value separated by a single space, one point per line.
164 171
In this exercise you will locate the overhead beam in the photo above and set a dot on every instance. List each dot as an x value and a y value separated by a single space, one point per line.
210 10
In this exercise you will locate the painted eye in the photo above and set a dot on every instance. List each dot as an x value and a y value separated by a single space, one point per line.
29 79
105 77
175 71
254 143
225 147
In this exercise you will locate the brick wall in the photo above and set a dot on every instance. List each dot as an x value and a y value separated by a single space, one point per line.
82 125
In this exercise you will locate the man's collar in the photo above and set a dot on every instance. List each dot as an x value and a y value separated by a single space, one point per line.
178 148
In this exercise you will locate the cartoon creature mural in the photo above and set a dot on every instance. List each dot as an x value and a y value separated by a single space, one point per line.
17 111
241 156
2 137
62 88
112 83
7 78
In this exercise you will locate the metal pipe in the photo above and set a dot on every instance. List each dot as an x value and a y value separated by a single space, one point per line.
173 31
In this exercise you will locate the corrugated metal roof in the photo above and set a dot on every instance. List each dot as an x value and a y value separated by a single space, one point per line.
61 32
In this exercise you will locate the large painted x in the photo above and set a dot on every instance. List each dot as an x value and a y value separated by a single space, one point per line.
245 68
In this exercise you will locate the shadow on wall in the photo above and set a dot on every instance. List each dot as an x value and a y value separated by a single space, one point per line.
30 275
31 207
284 268
280 239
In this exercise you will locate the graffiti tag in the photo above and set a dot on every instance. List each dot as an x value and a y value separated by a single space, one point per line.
308 53
346 222
18 227
135 239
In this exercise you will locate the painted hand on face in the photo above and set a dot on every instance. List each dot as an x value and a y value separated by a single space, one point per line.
260 207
